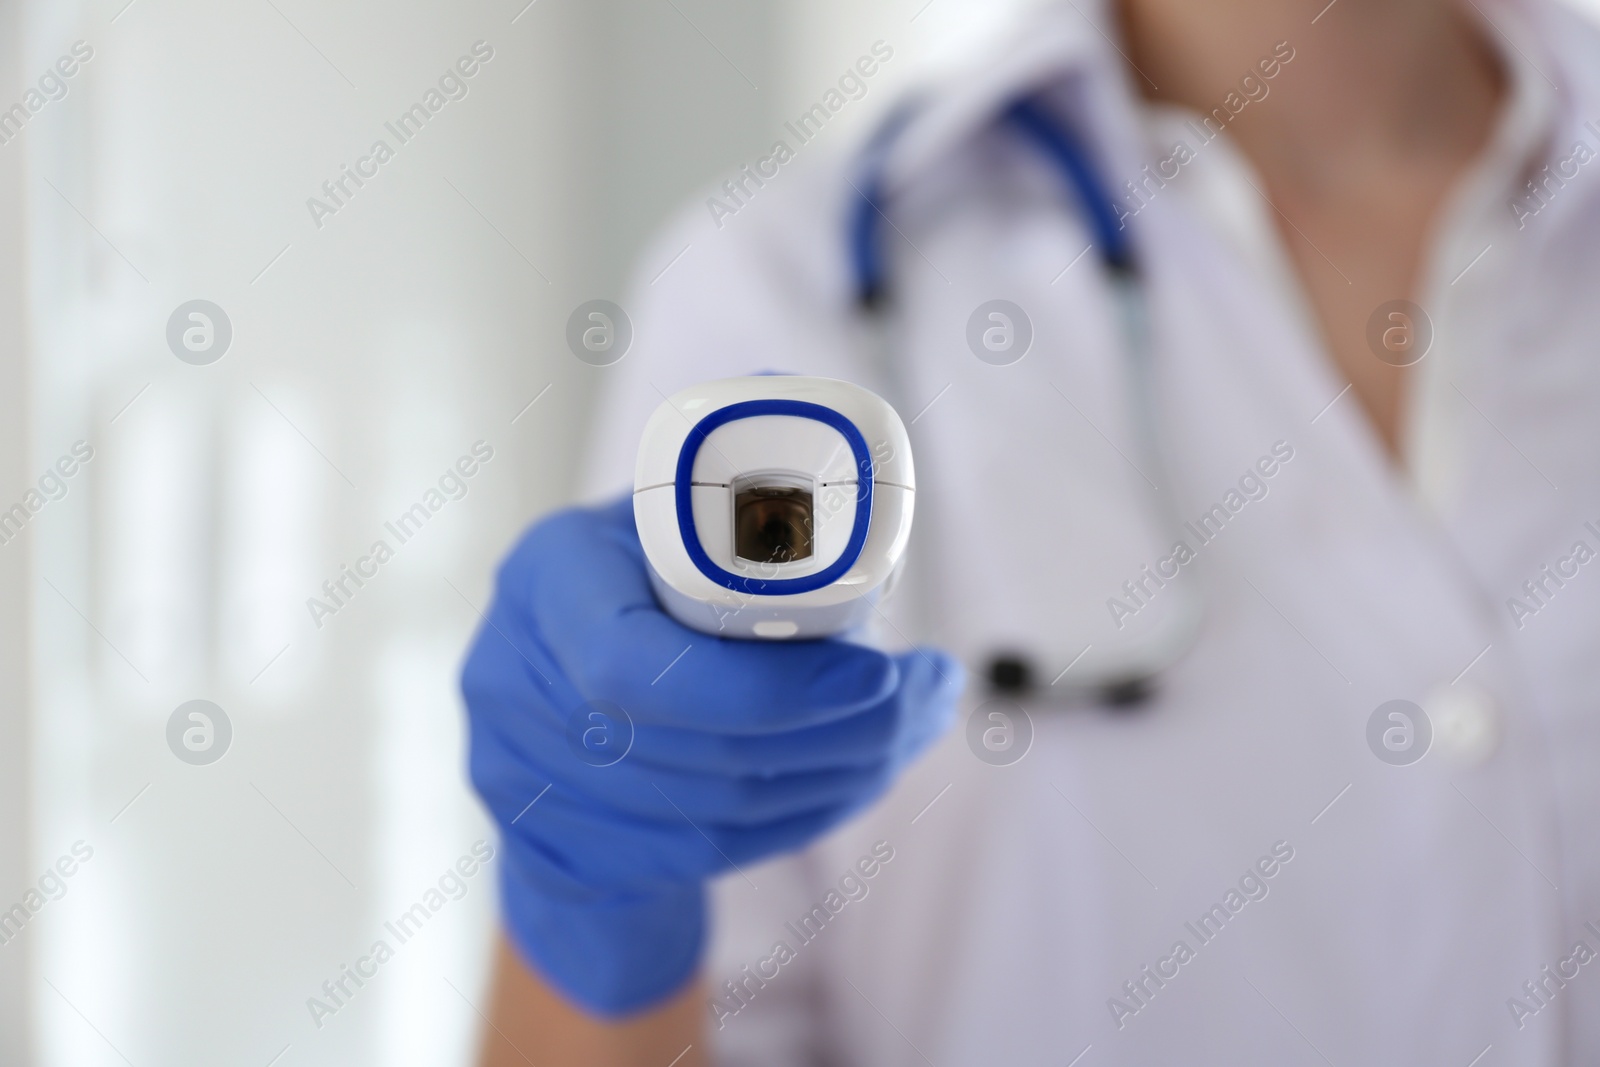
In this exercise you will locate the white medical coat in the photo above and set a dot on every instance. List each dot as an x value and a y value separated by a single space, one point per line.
1032 913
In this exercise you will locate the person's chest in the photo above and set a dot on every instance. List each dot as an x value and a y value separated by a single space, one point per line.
1331 586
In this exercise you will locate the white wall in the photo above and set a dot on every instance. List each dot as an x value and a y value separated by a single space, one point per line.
15 781
366 358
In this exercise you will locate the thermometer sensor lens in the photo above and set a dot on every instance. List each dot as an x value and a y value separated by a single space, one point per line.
772 524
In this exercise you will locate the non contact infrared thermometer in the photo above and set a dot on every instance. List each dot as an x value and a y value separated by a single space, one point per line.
773 506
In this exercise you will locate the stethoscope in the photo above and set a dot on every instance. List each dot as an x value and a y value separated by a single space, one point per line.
1012 672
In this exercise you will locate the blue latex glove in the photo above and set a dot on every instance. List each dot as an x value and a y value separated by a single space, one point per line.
725 754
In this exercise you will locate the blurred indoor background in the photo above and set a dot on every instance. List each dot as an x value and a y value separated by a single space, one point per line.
370 348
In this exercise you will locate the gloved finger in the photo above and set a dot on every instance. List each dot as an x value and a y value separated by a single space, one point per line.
721 685
493 687
612 779
499 684
860 740
930 688
898 728
583 575
569 844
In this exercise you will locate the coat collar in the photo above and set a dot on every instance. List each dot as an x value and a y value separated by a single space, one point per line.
1063 46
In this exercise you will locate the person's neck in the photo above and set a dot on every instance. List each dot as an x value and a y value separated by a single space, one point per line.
1373 83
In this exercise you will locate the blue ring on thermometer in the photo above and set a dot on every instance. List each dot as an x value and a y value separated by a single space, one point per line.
683 489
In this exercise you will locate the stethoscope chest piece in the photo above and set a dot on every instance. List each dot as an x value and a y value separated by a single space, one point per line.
1011 674
1118 682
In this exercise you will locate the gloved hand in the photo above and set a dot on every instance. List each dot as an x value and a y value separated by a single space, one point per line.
627 759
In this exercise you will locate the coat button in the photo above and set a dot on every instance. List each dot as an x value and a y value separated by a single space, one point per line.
1466 722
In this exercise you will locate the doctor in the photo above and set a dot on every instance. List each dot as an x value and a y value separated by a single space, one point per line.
1352 816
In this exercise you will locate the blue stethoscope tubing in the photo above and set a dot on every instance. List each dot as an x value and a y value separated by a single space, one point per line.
1128 681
